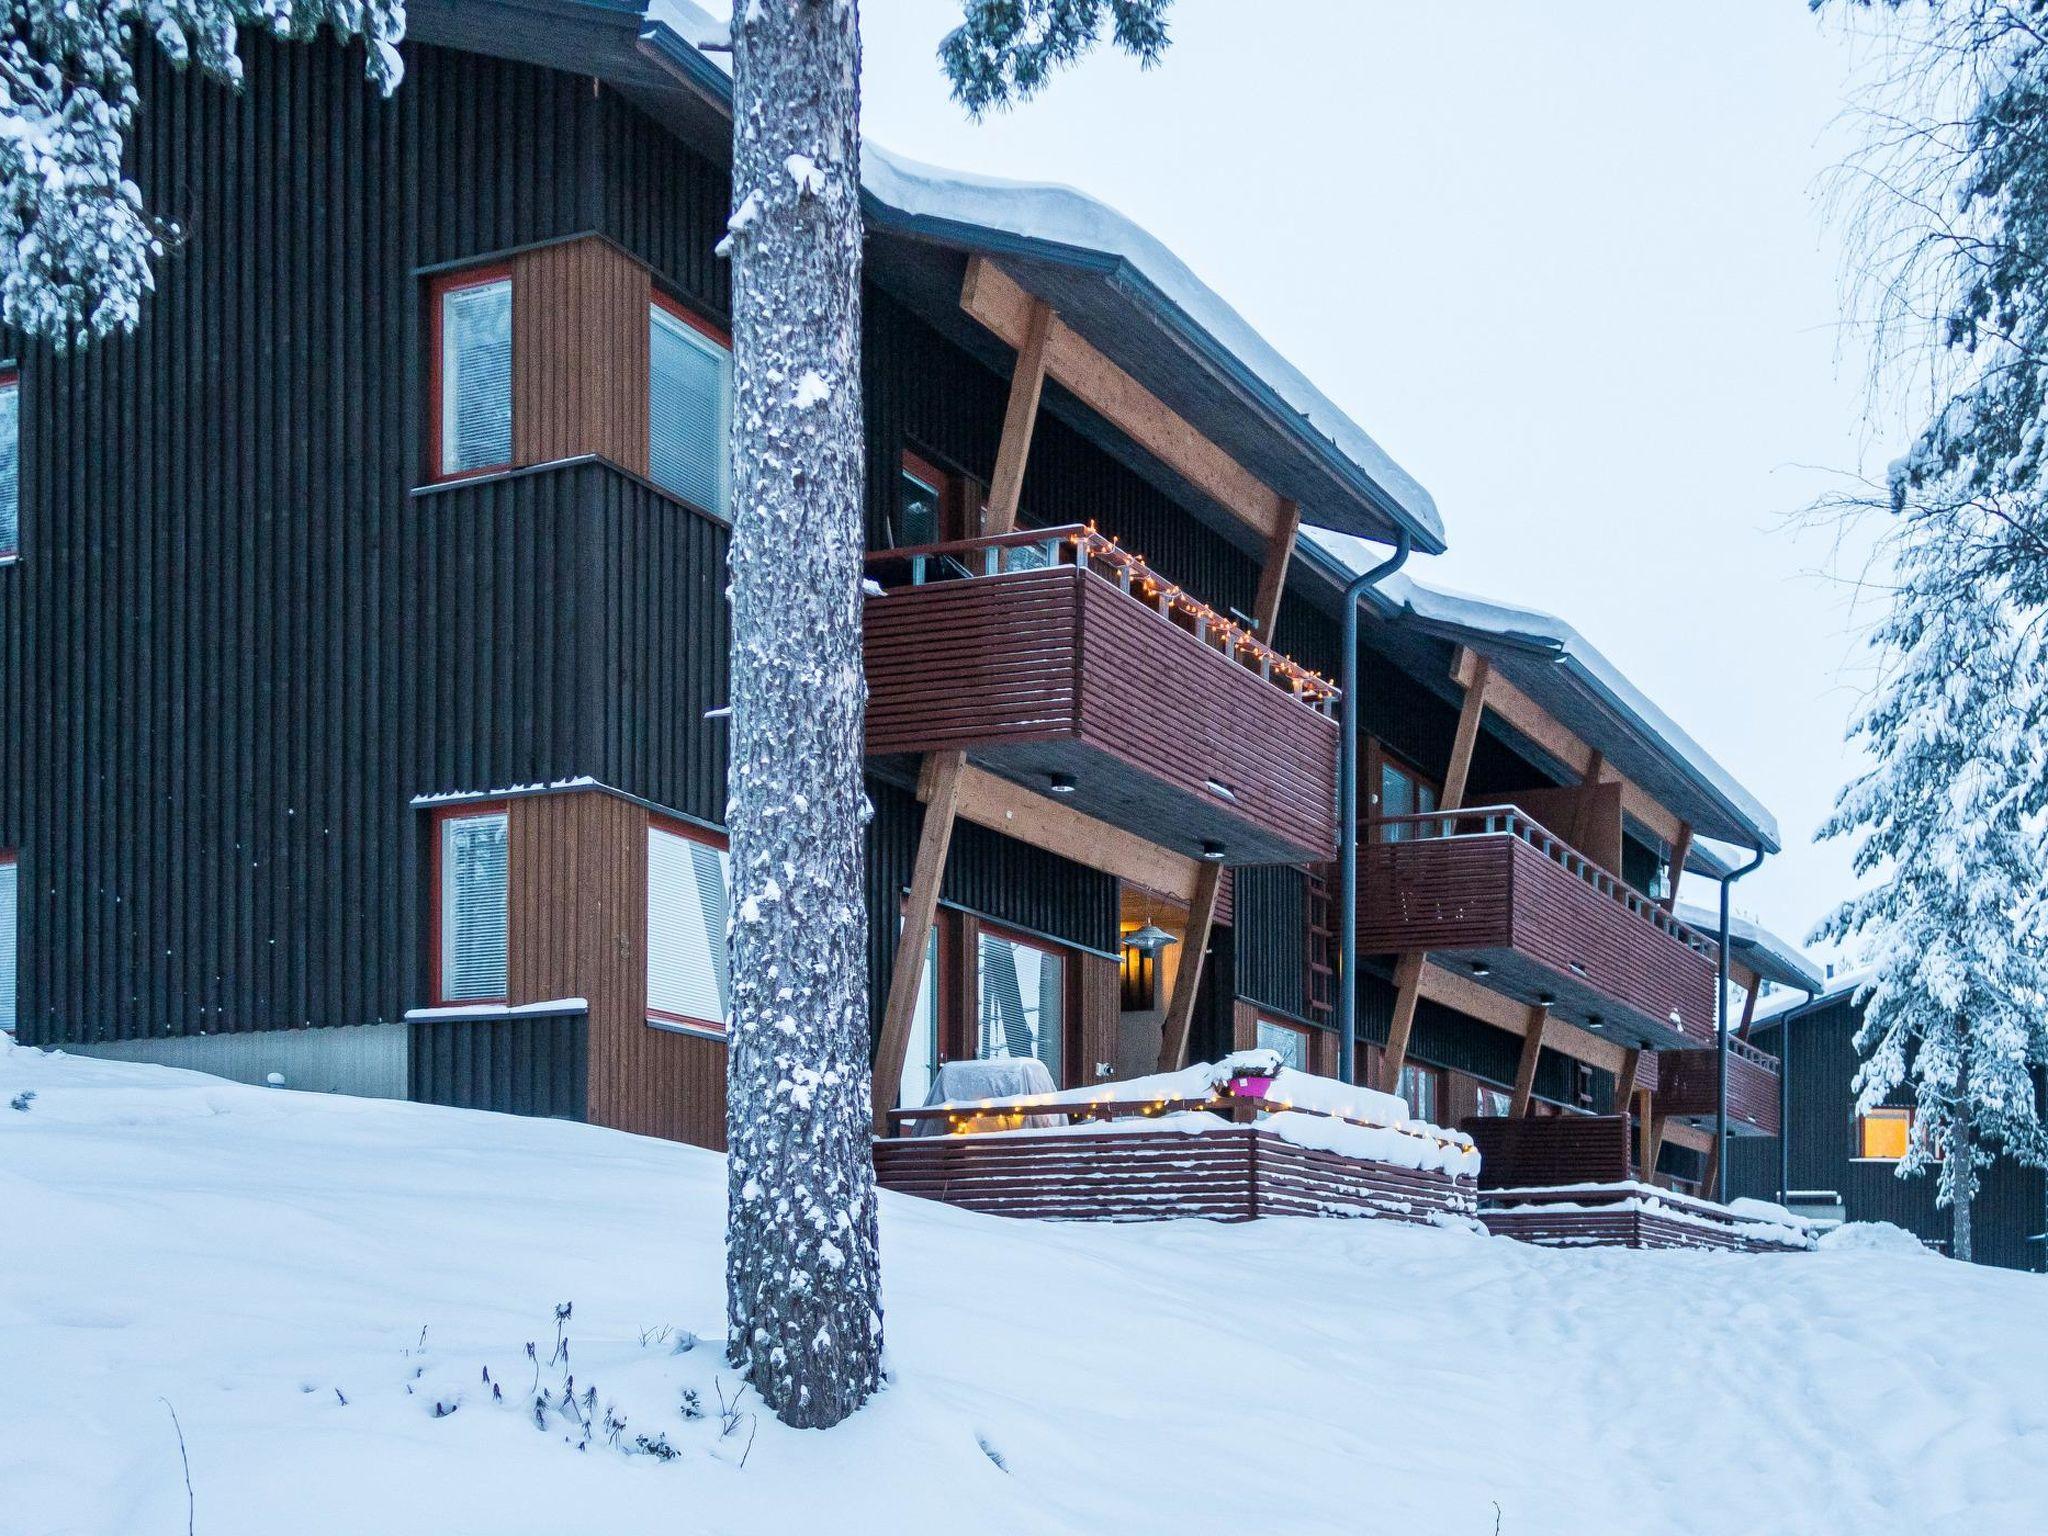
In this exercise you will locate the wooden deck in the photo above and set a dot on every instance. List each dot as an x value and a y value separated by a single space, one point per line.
1047 663
1233 1173
1628 1216
1688 1088
1524 912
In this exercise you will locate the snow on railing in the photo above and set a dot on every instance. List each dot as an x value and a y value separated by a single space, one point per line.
1512 821
1079 545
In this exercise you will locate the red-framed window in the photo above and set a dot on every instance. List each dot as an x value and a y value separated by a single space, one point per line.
471 920
1399 788
1022 989
469 373
10 463
689 406
689 906
1423 1088
10 937
1296 1043
931 504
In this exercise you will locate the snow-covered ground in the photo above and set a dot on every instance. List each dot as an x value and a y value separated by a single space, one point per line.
305 1279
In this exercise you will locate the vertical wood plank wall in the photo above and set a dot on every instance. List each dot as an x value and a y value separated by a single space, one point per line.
579 354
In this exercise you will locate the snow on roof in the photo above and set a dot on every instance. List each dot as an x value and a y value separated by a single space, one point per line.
1566 668
1843 983
1772 957
1060 228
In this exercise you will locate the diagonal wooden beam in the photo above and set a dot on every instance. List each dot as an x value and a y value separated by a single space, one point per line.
1180 1009
1467 738
1401 1028
1625 1080
1020 420
1532 1052
1273 578
1681 850
1749 1006
1582 806
1655 1150
1646 1159
989 801
940 791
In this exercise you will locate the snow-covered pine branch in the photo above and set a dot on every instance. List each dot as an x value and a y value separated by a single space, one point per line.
76 244
1004 51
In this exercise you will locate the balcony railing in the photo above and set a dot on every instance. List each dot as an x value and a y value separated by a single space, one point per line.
1494 820
1076 544
1537 919
1688 1087
1055 659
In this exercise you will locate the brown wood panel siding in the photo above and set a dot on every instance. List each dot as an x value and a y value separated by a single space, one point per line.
1576 930
1099 986
1548 1150
579 929
1620 1229
1244 1025
960 664
579 354
1185 714
1688 1087
1437 893
1221 1176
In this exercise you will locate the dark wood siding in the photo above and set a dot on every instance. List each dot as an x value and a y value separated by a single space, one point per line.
1269 936
521 1066
2010 1210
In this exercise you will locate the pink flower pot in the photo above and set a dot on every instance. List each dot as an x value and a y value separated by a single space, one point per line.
1251 1087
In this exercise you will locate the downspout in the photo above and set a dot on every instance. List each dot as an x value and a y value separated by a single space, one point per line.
1721 1061
1347 815
1785 1099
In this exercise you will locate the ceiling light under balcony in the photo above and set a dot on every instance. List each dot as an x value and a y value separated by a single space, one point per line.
1212 851
1149 940
1061 783
1481 968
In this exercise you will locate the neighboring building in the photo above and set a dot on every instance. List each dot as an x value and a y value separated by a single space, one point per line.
363 646
1830 1148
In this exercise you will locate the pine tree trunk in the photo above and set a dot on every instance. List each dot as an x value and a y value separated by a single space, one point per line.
1960 1243
802 1276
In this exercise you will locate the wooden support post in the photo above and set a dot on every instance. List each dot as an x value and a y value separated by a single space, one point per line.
1273 579
1655 1150
942 790
1180 1009
1749 1007
1681 850
1646 1156
1713 1167
1460 768
1625 1080
1407 992
1582 803
1027 381
1532 1052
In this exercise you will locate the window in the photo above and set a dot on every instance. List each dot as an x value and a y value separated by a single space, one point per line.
472 887
1492 1101
689 409
10 933
1404 792
1022 992
10 463
471 386
921 1061
1884 1134
1290 1040
689 900
929 503
1419 1086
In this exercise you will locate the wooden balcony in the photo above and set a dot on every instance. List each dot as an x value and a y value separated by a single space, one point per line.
1059 662
1687 1088
1491 892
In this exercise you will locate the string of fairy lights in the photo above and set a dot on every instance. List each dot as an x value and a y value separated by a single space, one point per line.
1134 574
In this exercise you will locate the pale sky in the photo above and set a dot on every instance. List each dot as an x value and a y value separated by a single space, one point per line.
1567 261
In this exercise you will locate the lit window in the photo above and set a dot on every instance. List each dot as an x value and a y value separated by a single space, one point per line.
10 464
689 410
473 372
1884 1134
1419 1087
689 899
1290 1040
474 907
1023 995
9 935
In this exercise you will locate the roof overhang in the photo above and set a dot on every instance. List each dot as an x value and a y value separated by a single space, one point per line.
1773 958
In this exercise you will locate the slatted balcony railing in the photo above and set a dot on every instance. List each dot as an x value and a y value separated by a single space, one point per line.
1528 914
1688 1084
1057 660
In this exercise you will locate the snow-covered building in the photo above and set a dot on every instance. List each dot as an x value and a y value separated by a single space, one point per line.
363 649
1834 1160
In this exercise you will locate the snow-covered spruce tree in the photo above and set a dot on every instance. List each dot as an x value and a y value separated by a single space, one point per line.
803 1281
76 243
1949 234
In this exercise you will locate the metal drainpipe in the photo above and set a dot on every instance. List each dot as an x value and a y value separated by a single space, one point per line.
1721 1018
1785 1100
1347 815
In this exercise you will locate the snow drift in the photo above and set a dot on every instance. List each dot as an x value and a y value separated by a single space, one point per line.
317 1285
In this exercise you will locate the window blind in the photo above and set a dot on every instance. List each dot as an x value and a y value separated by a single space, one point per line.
1021 994
689 405
476 377
688 904
10 468
10 933
473 908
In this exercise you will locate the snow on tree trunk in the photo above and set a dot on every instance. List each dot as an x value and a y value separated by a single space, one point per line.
803 1278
